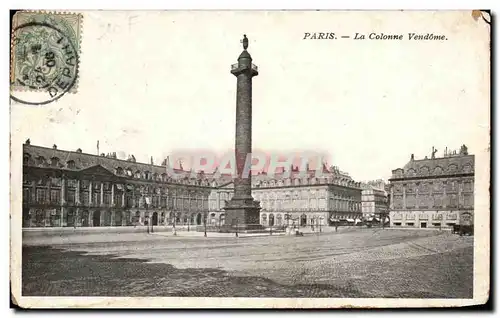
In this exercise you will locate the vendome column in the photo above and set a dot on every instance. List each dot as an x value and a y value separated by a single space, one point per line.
242 211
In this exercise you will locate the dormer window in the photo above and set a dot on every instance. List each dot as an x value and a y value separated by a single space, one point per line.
128 172
71 164
54 162
40 160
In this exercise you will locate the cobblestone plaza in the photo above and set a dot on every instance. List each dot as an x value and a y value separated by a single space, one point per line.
348 263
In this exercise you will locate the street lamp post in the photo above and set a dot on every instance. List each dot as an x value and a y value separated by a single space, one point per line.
175 220
147 206
189 220
205 223
236 227
320 221
147 222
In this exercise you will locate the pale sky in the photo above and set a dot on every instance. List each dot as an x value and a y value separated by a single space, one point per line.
152 83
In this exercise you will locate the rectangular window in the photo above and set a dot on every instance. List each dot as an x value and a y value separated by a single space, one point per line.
55 196
397 223
436 224
71 196
107 198
84 198
96 198
129 201
410 224
118 199
41 195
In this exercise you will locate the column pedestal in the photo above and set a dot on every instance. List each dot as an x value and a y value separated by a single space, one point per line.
242 215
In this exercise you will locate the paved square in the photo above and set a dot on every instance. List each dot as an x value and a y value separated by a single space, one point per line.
350 263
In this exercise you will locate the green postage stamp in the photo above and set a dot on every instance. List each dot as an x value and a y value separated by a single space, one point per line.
45 49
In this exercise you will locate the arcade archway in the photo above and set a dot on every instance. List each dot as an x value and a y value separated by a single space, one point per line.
96 218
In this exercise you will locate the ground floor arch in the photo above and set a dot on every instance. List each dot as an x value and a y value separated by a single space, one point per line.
271 219
84 217
96 218
198 219
106 218
154 220
303 220
70 217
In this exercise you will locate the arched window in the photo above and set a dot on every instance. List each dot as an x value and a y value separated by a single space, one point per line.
128 172
119 171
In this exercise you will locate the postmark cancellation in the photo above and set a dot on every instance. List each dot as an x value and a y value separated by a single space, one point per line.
45 50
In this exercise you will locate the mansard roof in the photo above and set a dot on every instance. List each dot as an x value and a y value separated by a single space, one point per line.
79 161
449 165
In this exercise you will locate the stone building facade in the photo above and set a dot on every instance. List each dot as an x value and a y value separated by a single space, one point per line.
74 189
374 203
297 200
435 192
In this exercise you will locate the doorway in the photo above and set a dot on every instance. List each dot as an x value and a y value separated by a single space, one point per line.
96 218
198 219
271 219
303 220
423 225
155 218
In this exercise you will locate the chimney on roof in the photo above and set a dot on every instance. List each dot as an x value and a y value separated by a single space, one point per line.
27 142
79 150
103 154
54 146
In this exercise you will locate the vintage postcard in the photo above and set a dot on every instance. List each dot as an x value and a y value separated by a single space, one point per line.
250 159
